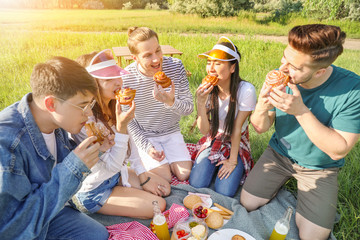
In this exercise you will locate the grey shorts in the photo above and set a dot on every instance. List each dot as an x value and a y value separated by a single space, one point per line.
317 189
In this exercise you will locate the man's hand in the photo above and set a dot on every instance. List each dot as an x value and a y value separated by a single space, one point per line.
108 143
263 100
165 97
291 104
88 152
158 156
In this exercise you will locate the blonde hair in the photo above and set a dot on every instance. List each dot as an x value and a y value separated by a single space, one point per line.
139 34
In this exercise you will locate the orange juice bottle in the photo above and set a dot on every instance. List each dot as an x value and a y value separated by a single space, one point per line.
160 225
282 226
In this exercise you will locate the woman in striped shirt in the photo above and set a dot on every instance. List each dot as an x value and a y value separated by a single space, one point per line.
155 128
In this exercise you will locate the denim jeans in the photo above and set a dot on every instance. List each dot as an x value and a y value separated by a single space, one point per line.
71 224
203 172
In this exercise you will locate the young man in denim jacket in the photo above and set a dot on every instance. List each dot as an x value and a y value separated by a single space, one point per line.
39 168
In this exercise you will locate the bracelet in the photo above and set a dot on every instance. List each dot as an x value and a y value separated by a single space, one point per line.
142 184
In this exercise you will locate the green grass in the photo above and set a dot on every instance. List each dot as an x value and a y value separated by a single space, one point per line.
21 50
161 21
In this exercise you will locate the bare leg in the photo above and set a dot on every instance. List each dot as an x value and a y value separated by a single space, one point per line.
131 202
251 202
163 171
135 181
310 230
181 169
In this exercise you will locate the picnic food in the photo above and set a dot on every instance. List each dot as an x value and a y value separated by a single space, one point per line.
161 79
190 200
98 130
210 79
214 220
200 211
276 78
224 209
198 231
125 95
181 233
238 237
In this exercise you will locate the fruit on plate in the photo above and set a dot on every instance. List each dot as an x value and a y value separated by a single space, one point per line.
181 233
200 211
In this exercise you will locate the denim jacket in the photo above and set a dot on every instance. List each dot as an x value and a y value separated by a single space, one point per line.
32 191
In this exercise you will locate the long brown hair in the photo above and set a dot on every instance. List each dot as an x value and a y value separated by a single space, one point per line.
213 100
99 107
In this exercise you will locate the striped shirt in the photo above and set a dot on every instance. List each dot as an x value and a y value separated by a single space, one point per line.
154 118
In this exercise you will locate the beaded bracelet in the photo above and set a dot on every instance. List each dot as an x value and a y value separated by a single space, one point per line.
142 184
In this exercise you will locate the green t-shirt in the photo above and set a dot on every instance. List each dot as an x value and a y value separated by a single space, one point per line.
335 103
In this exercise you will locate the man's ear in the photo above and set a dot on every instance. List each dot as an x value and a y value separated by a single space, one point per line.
49 103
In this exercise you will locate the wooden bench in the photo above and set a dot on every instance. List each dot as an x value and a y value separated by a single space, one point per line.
125 52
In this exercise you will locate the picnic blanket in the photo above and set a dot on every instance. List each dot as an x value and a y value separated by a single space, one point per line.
258 223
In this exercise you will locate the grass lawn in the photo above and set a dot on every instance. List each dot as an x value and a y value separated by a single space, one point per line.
22 47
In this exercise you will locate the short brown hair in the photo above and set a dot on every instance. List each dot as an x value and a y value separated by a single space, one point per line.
84 60
61 77
324 43
139 34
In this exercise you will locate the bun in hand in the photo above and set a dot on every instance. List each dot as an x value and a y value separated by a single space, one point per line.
161 79
125 95
276 78
97 130
210 79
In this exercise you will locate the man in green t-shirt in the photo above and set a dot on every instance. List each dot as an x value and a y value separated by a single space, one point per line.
317 122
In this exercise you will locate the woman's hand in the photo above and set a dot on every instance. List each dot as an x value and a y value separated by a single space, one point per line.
123 118
203 92
227 168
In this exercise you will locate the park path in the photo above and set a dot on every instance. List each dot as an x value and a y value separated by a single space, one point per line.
350 43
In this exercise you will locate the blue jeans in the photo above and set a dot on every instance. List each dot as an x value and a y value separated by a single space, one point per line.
92 201
203 171
71 224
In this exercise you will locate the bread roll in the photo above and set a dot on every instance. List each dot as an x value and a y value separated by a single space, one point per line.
125 95
161 79
276 78
238 237
210 79
191 200
214 220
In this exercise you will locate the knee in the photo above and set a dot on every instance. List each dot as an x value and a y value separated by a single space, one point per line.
183 176
162 203
197 184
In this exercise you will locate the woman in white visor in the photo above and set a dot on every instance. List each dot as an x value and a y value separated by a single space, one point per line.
223 112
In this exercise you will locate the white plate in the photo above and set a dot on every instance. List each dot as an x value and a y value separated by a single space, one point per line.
227 234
